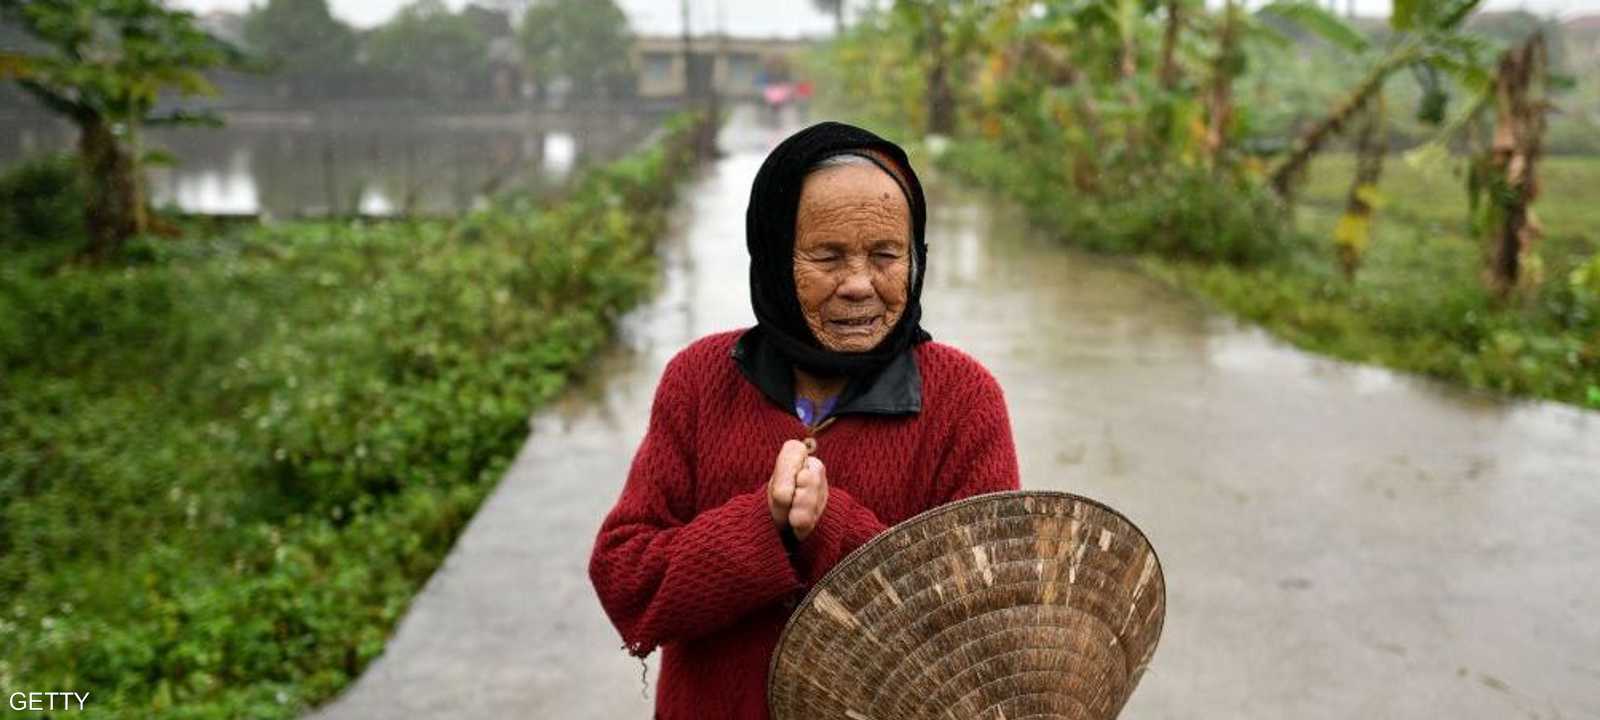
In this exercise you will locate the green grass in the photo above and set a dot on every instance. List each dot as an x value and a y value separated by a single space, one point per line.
228 462
1430 195
1418 302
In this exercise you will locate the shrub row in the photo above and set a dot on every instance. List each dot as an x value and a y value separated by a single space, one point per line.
227 463
1418 303
1168 208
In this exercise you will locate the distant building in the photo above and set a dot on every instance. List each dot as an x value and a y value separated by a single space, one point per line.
738 67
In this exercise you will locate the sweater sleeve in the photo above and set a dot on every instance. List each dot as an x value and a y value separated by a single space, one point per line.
665 573
982 456
844 526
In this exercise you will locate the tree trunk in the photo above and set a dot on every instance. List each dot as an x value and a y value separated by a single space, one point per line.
1287 173
1518 143
1129 66
1354 232
1169 45
1220 99
141 205
1080 113
110 214
941 102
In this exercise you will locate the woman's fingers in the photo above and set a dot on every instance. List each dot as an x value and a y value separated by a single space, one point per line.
780 496
803 514
797 493
781 486
818 470
822 491
791 457
810 498
783 490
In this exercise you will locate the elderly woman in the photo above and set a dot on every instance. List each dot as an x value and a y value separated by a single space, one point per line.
773 452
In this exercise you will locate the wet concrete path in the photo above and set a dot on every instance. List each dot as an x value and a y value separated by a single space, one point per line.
1339 541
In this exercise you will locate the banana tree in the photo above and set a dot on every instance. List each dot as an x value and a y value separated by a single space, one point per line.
103 64
1427 39
1172 29
1065 78
1237 35
939 31
1219 97
1353 233
1504 181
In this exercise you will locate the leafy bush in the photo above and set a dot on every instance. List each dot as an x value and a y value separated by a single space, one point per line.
1171 209
41 203
224 470
1417 305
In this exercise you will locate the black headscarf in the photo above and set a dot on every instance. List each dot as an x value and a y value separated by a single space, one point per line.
769 236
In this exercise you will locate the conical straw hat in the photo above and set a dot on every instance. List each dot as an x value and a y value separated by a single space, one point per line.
1009 605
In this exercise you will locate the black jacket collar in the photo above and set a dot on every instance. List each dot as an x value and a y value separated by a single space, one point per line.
894 390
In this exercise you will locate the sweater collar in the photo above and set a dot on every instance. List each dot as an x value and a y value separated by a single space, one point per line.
896 389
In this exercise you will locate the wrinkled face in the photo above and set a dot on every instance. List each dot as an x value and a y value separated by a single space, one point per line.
852 255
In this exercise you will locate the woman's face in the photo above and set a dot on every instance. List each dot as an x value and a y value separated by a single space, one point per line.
852 255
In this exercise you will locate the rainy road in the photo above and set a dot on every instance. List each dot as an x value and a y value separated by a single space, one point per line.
1339 541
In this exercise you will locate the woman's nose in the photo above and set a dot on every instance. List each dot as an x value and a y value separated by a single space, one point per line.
857 285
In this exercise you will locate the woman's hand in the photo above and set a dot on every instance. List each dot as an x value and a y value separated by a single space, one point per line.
810 498
781 486
797 493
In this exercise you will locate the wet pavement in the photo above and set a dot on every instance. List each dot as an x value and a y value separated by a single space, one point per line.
1339 541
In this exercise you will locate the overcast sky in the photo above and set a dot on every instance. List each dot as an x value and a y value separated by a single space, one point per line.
780 17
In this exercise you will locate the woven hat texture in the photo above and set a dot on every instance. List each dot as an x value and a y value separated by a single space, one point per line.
1012 605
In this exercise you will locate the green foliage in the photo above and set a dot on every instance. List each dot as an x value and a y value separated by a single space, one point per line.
103 65
586 42
1076 110
1175 210
1322 23
869 67
1410 15
41 203
1417 304
311 49
110 58
1585 279
1117 140
227 464
434 52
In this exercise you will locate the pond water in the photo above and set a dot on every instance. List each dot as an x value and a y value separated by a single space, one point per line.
290 164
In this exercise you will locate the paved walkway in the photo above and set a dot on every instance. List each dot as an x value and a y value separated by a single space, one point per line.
1340 542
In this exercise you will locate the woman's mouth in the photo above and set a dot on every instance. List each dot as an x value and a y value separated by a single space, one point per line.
854 326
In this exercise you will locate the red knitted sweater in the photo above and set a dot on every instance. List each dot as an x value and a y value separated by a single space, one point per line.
689 559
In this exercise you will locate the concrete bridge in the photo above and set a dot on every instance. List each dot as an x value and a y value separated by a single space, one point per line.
736 67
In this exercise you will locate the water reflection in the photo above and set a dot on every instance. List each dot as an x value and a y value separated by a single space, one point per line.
299 164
